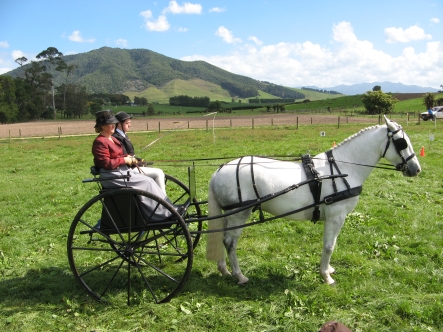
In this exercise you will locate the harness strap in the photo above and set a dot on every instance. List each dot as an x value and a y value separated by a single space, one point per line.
238 180
345 194
254 185
314 186
333 165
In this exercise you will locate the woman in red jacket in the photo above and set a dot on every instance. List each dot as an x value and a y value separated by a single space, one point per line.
112 161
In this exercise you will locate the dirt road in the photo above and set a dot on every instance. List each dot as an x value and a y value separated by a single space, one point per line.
83 127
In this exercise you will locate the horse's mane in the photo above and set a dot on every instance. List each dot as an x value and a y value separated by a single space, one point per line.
350 138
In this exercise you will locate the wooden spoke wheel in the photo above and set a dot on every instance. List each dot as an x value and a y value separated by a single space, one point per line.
119 251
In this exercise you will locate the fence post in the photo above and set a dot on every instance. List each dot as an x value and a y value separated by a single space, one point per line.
59 132
147 126
338 125
159 126
311 119
230 123
207 128
297 122
9 136
188 124
272 121
252 123
20 133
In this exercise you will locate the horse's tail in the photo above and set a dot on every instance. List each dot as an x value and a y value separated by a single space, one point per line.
214 241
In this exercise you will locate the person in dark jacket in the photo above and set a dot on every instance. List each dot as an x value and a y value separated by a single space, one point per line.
112 161
123 125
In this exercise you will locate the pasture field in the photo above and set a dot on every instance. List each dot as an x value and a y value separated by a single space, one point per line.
388 258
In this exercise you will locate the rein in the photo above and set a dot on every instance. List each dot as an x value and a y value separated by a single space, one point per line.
276 157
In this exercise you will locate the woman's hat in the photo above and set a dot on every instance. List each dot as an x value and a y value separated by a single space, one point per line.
104 117
122 116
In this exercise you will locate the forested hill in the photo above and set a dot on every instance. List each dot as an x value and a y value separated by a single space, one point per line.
114 70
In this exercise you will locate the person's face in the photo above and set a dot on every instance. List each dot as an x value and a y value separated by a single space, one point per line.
108 129
126 125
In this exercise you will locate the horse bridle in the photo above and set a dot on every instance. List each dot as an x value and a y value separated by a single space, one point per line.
400 144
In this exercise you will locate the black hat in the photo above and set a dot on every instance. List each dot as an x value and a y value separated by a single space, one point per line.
104 117
122 116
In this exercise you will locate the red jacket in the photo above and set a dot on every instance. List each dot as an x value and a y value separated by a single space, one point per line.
107 155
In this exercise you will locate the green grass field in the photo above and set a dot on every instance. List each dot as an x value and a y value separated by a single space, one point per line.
338 105
388 257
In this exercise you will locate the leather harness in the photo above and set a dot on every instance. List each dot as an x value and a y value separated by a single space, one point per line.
315 186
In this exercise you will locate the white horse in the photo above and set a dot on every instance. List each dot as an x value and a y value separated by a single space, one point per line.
244 180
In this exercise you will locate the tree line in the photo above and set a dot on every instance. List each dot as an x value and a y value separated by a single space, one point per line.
33 95
184 100
322 91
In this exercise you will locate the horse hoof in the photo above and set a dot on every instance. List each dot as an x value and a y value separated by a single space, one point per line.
333 284
243 280
244 283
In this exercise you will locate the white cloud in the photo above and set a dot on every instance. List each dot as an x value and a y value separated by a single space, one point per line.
187 8
435 20
121 42
4 44
217 10
76 37
161 24
348 61
394 35
146 14
255 40
15 54
227 35
182 29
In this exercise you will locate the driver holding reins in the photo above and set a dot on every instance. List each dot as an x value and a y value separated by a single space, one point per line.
123 125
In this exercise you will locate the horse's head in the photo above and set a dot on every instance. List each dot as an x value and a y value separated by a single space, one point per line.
400 153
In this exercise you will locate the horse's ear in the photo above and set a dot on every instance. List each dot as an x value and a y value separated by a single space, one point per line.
391 124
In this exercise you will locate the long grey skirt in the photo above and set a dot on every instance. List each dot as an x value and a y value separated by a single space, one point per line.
137 181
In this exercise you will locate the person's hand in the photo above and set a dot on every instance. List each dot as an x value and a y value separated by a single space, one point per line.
130 160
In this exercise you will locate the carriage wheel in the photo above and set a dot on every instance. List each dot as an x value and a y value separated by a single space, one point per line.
133 256
178 193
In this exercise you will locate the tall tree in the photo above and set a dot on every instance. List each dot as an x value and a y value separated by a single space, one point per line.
68 70
38 83
54 59
377 102
21 61
8 105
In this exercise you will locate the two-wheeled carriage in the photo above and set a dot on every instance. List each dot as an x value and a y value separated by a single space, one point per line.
117 251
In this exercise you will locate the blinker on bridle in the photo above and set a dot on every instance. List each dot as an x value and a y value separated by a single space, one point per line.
399 144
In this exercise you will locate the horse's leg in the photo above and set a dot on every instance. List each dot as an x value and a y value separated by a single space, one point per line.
221 264
230 241
331 230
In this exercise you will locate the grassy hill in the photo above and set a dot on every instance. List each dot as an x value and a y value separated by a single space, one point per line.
314 95
141 71
194 87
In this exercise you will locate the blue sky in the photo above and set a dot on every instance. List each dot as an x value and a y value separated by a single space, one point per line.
294 43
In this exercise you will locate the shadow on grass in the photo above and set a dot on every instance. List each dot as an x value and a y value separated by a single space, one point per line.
54 286
260 286
39 286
